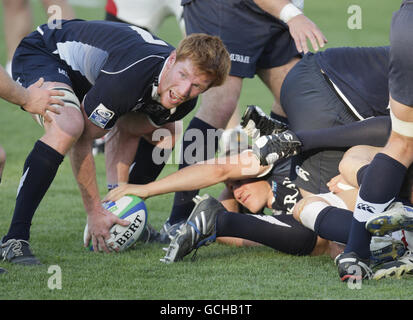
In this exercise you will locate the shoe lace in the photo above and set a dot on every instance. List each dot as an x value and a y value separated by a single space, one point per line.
15 246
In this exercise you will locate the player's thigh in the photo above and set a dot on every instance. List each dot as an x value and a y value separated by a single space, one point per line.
274 77
66 127
309 101
218 103
246 31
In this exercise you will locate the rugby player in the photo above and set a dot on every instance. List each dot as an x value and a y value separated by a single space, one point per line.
33 99
384 177
108 72
263 37
337 87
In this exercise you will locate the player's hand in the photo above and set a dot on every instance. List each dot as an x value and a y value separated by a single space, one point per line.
41 100
99 224
301 29
124 189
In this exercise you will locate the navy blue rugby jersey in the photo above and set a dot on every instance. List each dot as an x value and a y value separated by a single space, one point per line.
286 193
122 64
361 74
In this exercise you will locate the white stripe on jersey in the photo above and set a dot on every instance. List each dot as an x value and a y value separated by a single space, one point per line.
270 219
39 30
82 57
131 65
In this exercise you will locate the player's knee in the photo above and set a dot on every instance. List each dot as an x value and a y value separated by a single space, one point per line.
71 102
307 210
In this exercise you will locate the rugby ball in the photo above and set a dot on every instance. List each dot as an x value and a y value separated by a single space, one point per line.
131 208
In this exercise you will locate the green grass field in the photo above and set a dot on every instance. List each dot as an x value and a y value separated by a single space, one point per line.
219 272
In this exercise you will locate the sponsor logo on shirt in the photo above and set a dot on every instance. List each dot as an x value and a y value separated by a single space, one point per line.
302 173
101 116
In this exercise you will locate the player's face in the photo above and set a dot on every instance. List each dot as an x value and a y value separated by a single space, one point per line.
180 82
252 194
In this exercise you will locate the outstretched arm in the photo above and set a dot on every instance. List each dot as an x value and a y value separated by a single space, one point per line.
197 176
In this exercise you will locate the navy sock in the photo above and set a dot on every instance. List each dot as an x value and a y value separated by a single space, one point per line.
38 173
380 185
360 173
183 203
333 224
373 132
276 232
145 169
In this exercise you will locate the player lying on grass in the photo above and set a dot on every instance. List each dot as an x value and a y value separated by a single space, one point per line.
249 188
108 72
328 215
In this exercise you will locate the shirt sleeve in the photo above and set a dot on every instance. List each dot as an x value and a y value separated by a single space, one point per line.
107 100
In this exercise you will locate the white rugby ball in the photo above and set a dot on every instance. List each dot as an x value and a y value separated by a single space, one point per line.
131 208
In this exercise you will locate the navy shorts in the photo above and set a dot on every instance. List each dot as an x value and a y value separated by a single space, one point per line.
32 60
254 38
401 57
311 103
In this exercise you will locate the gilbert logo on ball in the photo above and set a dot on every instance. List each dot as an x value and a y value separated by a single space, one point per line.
131 208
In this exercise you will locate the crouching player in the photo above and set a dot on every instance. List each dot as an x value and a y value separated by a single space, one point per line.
107 71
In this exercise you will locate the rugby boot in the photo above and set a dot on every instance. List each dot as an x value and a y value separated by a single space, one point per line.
18 252
350 266
199 229
256 123
396 217
396 268
385 249
269 149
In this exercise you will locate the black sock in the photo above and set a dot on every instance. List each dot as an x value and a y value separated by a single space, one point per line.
183 203
373 132
333 224
38 173
282 233
145 169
